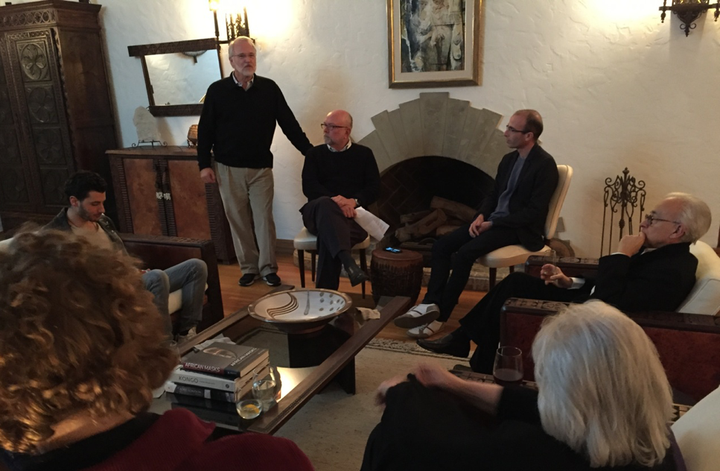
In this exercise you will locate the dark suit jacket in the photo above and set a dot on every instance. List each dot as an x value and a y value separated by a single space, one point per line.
658 280
529 203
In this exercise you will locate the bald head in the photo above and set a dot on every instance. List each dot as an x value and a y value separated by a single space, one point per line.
336 129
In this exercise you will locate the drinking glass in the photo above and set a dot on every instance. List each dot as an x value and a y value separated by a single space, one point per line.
508 367
265 388
552 258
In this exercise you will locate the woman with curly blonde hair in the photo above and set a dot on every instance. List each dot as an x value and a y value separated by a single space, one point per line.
81 349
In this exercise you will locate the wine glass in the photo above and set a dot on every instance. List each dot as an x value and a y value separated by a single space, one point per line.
508 367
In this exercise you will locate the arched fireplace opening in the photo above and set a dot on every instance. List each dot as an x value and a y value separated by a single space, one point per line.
408 188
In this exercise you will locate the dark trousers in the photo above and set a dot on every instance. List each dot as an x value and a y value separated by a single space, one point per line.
482 323
458 251
335 233
427 429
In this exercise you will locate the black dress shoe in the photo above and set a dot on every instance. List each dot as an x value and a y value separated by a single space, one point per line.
356 275
248 279
447 345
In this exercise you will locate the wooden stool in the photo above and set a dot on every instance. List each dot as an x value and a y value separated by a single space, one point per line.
396 274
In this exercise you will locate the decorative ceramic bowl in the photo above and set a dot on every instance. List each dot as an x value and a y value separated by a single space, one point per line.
300 310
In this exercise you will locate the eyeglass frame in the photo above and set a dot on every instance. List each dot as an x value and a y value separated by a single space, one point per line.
242 55
512 129
651 218
332 127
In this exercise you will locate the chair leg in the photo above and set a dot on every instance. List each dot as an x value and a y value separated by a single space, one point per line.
492 278
312 264
512 268
363 265
301 266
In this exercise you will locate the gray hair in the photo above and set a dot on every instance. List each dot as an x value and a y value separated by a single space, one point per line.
602 389
238 39
695 215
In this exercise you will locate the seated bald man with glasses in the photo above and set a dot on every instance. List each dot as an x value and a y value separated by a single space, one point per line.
652 270
513 213
337 177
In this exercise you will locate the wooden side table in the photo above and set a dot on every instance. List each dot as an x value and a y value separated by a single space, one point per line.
396 274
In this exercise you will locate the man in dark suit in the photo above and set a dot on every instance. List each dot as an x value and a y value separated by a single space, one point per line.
652 270
513 213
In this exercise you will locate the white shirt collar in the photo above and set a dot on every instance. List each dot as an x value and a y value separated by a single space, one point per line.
250 84
347 146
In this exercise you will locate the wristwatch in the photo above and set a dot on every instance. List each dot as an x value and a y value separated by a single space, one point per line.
357 203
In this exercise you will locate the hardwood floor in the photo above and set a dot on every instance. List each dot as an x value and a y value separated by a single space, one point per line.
236 297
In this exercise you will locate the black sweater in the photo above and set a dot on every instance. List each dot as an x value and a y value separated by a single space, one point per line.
352 174
237 126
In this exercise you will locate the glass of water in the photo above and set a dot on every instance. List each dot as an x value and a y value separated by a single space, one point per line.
264 390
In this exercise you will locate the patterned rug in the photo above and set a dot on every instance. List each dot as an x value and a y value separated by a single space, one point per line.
410 347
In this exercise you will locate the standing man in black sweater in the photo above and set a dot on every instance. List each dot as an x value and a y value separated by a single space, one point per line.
236 128
338 176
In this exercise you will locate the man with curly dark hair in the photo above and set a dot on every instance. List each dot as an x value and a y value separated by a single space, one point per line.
81 349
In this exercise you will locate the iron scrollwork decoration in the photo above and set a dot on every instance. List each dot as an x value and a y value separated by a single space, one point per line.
623 196
688 11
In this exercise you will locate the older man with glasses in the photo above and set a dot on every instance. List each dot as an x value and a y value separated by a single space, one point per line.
337 177
513 213
651 270
236 128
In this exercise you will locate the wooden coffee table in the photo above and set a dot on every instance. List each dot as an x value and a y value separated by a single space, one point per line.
304 383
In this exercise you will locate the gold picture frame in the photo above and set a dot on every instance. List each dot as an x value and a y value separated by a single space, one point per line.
420 54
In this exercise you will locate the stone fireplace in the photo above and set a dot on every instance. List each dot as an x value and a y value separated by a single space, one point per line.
434 146
437 125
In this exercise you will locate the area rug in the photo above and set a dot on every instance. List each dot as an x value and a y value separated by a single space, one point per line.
333 427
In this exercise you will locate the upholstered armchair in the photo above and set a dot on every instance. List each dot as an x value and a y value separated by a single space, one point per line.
688 340
162 252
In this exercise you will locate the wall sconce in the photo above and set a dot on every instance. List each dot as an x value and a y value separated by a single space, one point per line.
235 24
688 11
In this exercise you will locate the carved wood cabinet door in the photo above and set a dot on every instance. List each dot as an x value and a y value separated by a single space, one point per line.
43 127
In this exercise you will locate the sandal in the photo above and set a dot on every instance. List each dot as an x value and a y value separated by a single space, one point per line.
417 316
425 331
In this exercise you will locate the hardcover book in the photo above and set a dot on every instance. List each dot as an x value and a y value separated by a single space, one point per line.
226 359
205 380
215 394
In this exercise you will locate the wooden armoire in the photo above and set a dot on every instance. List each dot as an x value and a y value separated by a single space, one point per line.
56 115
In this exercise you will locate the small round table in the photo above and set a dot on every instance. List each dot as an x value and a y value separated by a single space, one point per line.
396 274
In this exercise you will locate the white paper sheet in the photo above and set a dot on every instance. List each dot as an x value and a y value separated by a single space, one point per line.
374 226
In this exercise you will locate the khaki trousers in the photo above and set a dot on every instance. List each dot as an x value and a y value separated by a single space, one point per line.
247 195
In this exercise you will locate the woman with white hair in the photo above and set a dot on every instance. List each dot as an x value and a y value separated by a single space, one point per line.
603 402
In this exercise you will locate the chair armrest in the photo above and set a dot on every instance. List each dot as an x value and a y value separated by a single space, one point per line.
688 344
162 252
571 266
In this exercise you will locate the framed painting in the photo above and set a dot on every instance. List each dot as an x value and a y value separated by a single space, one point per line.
434 43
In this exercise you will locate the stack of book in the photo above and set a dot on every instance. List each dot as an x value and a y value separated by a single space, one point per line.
220 373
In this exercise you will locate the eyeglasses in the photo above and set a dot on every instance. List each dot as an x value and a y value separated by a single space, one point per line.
243 55
332 127
512 129
651 218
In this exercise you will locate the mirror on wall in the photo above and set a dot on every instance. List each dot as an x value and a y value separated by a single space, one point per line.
177 74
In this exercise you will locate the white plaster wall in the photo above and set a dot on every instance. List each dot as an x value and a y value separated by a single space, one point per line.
615 86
